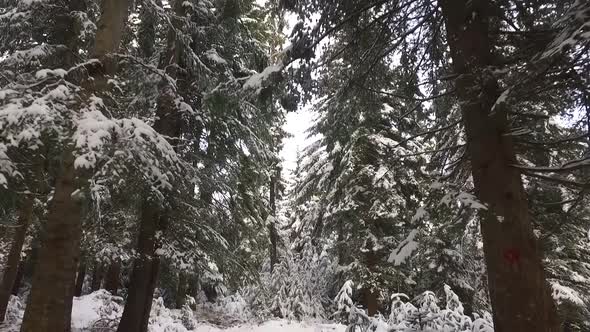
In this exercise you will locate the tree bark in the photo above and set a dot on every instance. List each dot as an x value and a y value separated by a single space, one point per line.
145 268
19 278
144 275
112 278
272 230
97 276
50 302
80 278
181 290
113 17
13 261
520 296
370 299
370 295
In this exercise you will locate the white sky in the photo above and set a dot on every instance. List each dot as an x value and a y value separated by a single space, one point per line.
296 125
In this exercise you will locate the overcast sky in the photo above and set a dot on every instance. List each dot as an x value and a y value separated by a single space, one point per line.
297 123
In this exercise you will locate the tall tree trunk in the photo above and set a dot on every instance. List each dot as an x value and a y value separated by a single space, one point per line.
113 17
520 296
112 278
370 295
97 276
181 290
370 301
13 261
19 277
50 302
80 278
144 275
272 230
145 268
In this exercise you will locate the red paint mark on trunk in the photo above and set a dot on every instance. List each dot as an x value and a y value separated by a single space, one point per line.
512 256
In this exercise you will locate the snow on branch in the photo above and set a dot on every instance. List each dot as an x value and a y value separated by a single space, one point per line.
404 250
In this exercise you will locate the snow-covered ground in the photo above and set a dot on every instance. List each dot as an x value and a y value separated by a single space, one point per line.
101 311
277 325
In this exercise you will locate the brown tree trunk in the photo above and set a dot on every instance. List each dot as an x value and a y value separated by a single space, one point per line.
370 301
144 275
113 17
80 278
520 296
13 261
272 230
146 267
19 278
370 296
112 278
97 276
181 290
50 302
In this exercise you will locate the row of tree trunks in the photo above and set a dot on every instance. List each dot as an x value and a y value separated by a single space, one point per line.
520 296
13 261
112 278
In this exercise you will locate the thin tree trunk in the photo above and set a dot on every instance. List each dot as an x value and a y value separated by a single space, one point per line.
520 296
143 277
80 278
272 230
97 276
112 278
19 278
13 262
50 302
181 290
193 286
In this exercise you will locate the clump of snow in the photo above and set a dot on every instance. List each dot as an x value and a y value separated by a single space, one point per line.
95 308
255 81
420 214
405 249
344 299
424 314
563 293
44 73
471 201
215 57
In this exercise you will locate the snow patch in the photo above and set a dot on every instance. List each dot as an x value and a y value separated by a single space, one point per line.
404 250
563 293
255 81
214 56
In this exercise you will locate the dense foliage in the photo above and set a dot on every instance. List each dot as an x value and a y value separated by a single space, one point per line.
443 185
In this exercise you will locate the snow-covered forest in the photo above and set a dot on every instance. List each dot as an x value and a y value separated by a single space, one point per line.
443 184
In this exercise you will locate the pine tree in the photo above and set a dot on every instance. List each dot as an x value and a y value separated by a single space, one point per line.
490 44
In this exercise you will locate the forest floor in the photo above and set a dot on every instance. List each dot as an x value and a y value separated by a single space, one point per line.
100 311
